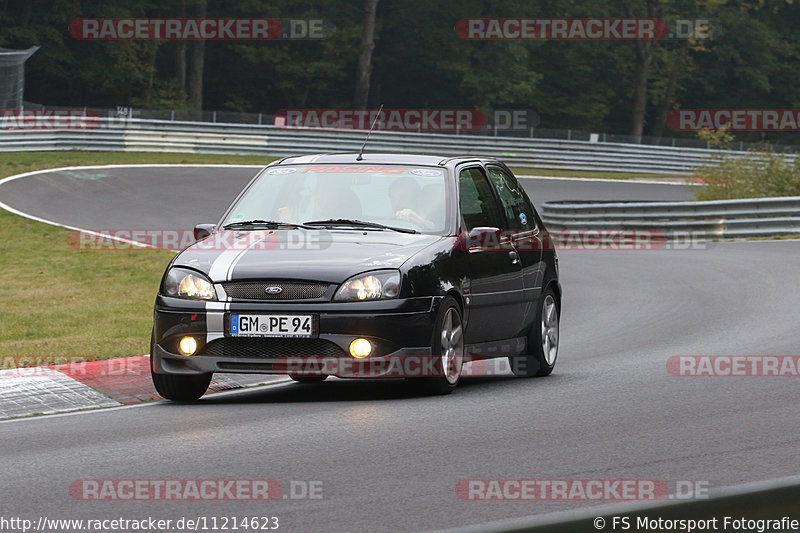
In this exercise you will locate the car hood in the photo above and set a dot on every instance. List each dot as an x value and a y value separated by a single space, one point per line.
319 255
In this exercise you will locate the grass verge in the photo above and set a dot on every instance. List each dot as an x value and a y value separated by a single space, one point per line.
62 302
19 162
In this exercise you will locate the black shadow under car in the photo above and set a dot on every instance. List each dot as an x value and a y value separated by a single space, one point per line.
384 265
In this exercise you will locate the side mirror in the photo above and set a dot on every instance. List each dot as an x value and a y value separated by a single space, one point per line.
201 231
483 237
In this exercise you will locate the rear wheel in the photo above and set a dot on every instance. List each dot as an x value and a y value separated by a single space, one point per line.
447 347
308 379
177 387
543 340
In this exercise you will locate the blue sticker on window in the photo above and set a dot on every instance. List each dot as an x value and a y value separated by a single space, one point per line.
523 219
281 171
426 172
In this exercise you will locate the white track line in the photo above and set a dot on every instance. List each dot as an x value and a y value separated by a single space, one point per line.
94 410
10 209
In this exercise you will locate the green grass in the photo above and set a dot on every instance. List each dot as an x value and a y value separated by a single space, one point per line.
61 302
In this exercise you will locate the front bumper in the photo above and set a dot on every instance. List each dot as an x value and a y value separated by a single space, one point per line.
400 332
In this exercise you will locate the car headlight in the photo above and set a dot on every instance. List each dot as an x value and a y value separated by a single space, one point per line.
184 283
377 285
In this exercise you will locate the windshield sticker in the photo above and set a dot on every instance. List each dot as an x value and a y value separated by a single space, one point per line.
281 170
357 169
426 172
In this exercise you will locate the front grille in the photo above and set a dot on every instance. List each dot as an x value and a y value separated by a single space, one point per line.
271 347
290 290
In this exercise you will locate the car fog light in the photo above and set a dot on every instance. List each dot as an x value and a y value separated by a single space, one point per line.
188 346
360 348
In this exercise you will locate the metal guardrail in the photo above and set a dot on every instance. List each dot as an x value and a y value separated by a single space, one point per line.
762 500
719 219
218 138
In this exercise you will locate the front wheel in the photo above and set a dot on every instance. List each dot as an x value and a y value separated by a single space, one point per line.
543 340
181 388
447 347
177 387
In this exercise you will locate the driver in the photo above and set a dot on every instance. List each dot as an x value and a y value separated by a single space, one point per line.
404 194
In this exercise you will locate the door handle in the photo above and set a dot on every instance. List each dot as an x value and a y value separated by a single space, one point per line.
514 257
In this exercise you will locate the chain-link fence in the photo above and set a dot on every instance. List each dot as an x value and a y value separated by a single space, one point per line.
12 76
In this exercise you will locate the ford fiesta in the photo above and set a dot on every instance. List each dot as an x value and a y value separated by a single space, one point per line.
381 265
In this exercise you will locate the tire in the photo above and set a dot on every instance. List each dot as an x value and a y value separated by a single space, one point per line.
543 340
448 344
308 379
181 388
177 387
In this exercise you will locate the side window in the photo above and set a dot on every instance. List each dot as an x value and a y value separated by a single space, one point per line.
478 204
515 202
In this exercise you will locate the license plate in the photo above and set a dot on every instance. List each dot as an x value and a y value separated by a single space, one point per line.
272 325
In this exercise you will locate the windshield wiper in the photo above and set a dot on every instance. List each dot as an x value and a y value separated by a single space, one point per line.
358 224
265 223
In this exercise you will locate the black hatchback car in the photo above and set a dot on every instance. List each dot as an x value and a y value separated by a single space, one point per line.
382 265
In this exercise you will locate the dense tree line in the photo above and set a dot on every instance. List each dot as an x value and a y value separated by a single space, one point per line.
411 57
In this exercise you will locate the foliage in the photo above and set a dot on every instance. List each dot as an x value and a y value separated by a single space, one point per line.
761 173
752 61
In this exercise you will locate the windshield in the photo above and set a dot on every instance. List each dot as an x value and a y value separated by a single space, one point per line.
411 197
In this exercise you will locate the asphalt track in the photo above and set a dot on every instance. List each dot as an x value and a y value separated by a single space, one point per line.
175 197
389 460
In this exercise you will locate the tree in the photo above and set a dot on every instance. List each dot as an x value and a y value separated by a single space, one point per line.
365 55
197 56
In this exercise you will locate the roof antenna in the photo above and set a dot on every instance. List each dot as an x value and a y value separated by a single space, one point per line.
361 152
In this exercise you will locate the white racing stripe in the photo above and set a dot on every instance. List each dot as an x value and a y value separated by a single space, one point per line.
221 270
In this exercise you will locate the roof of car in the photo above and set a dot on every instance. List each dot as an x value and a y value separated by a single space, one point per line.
369 158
